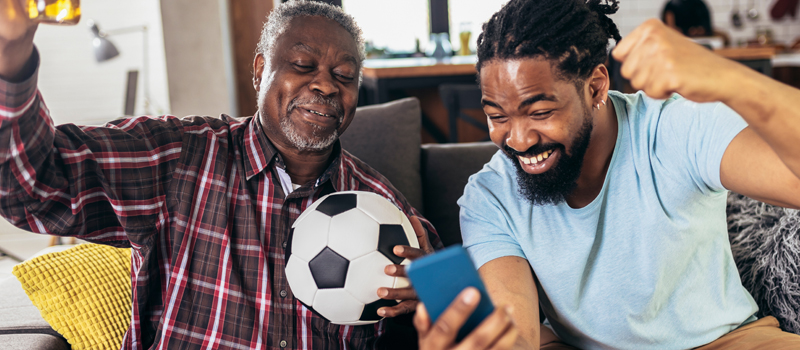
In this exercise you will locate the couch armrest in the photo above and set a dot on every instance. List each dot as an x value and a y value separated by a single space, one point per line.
445 171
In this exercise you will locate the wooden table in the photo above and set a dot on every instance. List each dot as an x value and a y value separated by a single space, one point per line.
382 75
386 79
758 58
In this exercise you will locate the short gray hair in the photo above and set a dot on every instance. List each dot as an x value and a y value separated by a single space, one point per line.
282 15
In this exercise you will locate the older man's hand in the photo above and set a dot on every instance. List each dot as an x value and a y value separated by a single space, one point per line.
16 38
407 295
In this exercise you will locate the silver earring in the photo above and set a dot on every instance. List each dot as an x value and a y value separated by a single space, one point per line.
603 101
597 106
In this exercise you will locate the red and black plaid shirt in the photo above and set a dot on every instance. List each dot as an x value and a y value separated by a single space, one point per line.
200 202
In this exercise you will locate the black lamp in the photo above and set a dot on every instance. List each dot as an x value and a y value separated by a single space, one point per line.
104 49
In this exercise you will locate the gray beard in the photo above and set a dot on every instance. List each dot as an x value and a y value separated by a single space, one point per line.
313 143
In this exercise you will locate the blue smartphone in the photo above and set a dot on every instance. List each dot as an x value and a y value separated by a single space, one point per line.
440 277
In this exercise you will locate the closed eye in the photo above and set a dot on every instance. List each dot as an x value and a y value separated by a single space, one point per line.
345 78
303 68
496 118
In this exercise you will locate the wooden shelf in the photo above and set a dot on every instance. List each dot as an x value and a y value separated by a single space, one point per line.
747 53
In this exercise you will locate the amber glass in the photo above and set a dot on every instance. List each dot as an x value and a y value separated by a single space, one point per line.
464 50
66 12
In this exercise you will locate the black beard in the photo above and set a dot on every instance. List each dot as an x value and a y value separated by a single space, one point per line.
554 185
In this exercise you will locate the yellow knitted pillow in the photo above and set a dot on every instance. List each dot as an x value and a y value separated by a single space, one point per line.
84 293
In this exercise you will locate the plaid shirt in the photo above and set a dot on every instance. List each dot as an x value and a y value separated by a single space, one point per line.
200 202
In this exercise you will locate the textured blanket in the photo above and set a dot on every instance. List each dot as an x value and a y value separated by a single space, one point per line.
765 240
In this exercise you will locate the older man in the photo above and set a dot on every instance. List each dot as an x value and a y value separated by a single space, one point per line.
205 203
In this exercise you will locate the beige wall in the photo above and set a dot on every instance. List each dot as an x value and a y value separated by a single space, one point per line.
80 90
197 67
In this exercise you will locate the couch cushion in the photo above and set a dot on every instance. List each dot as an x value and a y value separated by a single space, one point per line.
446 169
387 137
17 313
84 293
32 341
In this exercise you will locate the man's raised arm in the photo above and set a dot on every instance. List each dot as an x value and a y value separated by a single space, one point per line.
763 161
101 184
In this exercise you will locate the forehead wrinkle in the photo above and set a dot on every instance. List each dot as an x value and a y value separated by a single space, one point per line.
301 46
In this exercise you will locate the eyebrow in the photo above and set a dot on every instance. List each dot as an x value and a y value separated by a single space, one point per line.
312 50
536 98
528 101
304 47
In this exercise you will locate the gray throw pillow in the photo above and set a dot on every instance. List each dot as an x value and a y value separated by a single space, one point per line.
387 137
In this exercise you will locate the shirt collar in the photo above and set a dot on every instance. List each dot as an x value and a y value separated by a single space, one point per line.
257 148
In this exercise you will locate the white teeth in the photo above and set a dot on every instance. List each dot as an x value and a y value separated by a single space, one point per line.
318 113
537 158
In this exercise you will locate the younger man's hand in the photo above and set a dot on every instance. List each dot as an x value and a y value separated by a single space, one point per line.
496 332
407 295
661 61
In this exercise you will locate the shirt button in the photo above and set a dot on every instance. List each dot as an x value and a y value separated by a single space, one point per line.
283 293
284 244
283 343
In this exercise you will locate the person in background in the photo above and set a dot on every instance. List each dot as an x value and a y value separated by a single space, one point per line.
690 17
205 203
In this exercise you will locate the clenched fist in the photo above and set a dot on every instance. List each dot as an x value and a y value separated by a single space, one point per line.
660 61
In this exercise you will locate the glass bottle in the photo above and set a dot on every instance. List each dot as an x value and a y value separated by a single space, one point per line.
63 12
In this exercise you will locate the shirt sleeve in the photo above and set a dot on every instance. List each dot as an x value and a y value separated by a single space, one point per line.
698 134
101 184
485 228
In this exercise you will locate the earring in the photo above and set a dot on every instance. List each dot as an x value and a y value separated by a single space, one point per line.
597 106
603 102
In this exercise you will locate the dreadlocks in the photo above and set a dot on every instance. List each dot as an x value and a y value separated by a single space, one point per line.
574 33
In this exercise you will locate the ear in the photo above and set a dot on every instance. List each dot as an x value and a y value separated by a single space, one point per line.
598 84
258 70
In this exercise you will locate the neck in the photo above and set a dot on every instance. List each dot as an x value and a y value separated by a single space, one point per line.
304 166
597 158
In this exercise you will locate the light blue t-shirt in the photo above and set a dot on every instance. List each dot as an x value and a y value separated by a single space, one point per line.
647 264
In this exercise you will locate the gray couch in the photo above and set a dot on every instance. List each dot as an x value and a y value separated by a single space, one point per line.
385 136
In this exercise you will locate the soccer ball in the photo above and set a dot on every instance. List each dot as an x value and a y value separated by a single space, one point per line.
340 245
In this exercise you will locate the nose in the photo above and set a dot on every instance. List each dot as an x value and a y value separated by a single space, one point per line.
324 84
521 137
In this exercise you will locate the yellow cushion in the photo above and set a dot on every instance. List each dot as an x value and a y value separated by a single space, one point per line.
84 293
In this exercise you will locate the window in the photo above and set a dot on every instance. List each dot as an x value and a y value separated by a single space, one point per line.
470 15
395 25
390 24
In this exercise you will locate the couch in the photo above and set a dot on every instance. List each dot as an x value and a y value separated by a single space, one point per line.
433 176
386 136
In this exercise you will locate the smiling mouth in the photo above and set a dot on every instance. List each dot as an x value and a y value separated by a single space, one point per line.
537 158
319 113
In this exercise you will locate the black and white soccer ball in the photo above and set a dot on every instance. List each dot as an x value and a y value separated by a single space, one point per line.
340 245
